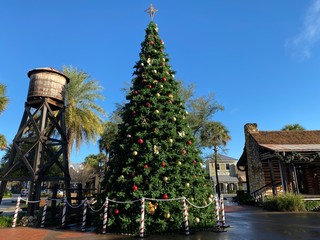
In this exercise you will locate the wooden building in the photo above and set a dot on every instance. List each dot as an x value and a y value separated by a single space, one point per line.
281 161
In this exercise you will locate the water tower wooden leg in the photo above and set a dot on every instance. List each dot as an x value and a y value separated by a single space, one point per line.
2 189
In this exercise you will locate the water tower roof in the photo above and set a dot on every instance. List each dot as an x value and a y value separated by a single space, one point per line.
48 69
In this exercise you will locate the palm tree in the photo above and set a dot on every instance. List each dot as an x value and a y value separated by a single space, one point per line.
83 115
216 135
293 127
3 98
3 105
3 142
107 138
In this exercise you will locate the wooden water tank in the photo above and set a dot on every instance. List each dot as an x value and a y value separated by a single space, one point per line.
47 82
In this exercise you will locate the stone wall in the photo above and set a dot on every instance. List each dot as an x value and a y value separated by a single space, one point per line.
255 171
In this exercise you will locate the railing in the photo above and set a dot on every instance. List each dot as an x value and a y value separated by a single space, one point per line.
260 193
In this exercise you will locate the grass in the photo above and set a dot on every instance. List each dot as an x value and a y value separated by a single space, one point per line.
288 202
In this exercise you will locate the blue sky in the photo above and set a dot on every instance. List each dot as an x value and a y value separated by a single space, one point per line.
260 58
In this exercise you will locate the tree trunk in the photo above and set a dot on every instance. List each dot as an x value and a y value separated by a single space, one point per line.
216 168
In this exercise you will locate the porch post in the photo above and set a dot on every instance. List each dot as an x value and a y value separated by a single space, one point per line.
282 177
295 179
274 189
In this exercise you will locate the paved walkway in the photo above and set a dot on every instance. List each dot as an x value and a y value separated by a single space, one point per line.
246 223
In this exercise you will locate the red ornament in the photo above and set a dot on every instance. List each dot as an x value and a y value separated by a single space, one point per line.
116 211
146 166
150 86
163 164
184 152
155 36
155 129
189 142
135 92
133 174
134 188
194 162
163 64
151 42
148 104
140 141
164 79
165 196
133 112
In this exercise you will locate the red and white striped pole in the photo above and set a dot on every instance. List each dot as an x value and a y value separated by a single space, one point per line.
105 216
223 219
44 212
64 210
185 216
217 210
84 216
15 216
142 217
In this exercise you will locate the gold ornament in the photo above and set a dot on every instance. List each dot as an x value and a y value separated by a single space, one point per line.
197 220
152 208
167 215
156 149
134 153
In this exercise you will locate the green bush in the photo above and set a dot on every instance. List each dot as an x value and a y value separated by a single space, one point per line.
312 205
244 198
7 194
285 202
6 221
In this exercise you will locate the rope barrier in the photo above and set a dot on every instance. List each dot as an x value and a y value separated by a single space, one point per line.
193 205
86 205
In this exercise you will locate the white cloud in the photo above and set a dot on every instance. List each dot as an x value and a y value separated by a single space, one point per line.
302 44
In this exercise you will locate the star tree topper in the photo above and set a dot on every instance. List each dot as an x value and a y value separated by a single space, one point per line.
151 11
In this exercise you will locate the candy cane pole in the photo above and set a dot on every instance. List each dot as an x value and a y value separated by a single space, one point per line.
223 219
64 209
105 216
84 217
185 216
217 210
16 213
142 218
44 212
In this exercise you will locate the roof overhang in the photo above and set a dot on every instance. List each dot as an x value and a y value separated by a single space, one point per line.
292 147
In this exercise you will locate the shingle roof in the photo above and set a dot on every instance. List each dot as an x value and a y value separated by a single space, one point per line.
287 137
224 157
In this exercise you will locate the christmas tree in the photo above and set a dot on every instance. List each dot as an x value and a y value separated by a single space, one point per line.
155 155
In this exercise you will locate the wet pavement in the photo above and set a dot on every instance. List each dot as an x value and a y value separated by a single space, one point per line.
246 223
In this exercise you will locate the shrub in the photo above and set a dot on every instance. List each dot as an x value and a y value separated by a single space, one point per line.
244 198
285 202
7 194
312 205
6 221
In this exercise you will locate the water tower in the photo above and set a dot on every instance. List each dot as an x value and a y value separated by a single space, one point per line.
39 149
